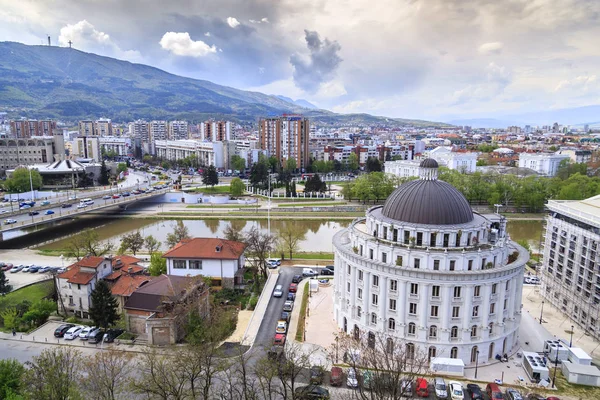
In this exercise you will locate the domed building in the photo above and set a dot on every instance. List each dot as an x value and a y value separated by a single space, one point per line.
427 270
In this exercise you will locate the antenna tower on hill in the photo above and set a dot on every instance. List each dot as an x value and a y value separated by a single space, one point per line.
49 44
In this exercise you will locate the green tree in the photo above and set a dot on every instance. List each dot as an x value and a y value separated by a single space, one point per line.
104 174
238 163
290 165
290 236
353 162
20 181
11 318
39 312
273 164
259 173
373 165
103 310
121 167
53 375
107 374
210 177
179 233
88 243
4 286
152 244
237 187
314 184
133 241
158 265
11 373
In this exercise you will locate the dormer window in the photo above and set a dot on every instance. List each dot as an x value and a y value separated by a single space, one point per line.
218 249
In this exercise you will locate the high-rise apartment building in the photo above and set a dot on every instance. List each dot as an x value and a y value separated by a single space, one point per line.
87 128
178 130
28 128
215 131
139 130
104 127
286 137
571 277
158 130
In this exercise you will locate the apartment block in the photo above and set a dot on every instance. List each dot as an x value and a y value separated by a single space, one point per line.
29 128
286 137
215 131
158 130
178 130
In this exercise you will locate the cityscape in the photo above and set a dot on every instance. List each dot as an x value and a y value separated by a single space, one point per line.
261 203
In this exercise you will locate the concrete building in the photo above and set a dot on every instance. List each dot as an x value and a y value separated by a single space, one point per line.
218 259
286 137
426 270
543 163
158 130
103 127
29 128
460 161
403 168
178 130
577 156
87 147
215 131
35 150
122 146
87 128
139 130
207 153
571 279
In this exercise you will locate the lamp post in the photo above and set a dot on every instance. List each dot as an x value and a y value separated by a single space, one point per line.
476 362
497 208
542 312
555 368
571 341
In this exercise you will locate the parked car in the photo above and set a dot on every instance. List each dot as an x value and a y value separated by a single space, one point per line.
308 272
96 335
278 292
288 306
406 388
43 270
336 377
25 268
16 269
351 378
279 339
10 221
66 205
316 375
535 396
311 392
281 327
456 390
34 269
62 329
493 391
275 261
439 386
291 296
367 380
83 335
331 267
513 394
285 316
296 278
326 271
112 334
270 265
293 288
32 213
474 392
73 332
421 387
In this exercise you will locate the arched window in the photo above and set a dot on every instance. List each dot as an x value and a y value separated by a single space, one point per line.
431 353
454 332
410 351
373 318
433 331
474 331
491 327
389 346
392 324
474 354
454 352
356 332
412 328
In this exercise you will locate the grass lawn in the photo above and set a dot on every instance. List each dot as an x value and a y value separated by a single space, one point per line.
296 199
332 203
213 190
31 293
221 206
313 256
302 316
569 389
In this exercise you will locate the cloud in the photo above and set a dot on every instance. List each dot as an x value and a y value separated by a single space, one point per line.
261 21
320 65
582 83
207 34
491 48
181 44
85 36
233 22
497 78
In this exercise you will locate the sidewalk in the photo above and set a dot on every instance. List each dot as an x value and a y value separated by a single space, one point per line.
253 323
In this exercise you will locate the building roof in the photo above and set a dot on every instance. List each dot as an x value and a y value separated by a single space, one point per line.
127 284
90 262
76 276
131 269
207 248
124 260
165 288
581 369
579 353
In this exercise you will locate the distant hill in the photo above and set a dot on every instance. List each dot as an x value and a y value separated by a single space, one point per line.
299 102
64 83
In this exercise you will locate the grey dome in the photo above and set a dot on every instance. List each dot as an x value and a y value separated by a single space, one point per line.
429 163
429 202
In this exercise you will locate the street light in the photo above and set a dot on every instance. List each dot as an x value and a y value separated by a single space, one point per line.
555 368
542 312
497 207
571 341
476 362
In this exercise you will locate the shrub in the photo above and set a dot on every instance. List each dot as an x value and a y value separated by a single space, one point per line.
253 302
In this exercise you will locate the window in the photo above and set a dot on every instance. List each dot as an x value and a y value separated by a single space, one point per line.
454 352
494 288
435 291
455 312
359 293
384 257
493 308
414 289
475 311
394 285
374 299
179 264
359 311
491 328
432 239
436 265
470 265
476 291
393 304
507 285
419 238
412 308
434 311
392 324
360 275
196 264
410 351
454 332
417 263
456 292
399 261
505 303
371 254
349 270
348 287
446 239
406 237
374 318
375 280
433 331
72 304
412 328
78 286
474 331
452 265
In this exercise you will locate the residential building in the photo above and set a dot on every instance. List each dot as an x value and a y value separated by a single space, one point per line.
29 151
87 147
158 130
218 259
426 270
47 128
403 168
87 128
178 130
139 130
577 155
461 161
215 131
286 137
76 284
571 278
121 146
207 153
103 127
20 129
157 311
543 163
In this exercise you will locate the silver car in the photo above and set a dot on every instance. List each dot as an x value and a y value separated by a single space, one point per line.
278 292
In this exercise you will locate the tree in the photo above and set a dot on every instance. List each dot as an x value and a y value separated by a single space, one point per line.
133 241
259 173
238 163
179 233
11 372
53 375
158 265
4 286
231 233
88 243
104 177
107 375
353 162
210 177
373 165
103 310
273 164
121 167
260 245
152 244
290 236
314 184
236 187
290 165
20 182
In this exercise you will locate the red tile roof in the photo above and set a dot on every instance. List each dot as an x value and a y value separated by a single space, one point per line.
124 260
90 261
131 269
82 278
127 284
70 272
205 248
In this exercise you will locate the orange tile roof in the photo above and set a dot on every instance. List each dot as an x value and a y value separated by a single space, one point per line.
127 284
70 272
131 269
90 261
124 260
113 276
204 248
82 278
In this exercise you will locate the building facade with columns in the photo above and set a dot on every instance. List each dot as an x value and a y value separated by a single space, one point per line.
207 153
424 269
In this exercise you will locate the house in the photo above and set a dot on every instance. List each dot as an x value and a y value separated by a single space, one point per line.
125 285
218 259
75 285
123 262
157 310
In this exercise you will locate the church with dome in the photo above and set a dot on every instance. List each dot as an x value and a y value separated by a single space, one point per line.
426 270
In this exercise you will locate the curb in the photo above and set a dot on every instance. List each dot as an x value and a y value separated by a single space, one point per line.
260 298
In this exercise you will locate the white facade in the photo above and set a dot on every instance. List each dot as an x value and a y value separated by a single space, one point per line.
29 151
542 163
570 279
120 145
211 268
215 131
87 147
464 162
402 168
178 130
139 130
158 130
207 153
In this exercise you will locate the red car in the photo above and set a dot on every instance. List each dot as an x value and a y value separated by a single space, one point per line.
116 196
293 287
279 339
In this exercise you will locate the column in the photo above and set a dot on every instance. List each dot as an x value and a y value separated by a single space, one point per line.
446 294
353 292
424 310
366 313
401 303
383 300
500 308
466 319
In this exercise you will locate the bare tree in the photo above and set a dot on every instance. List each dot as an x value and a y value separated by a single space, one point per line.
53 375
259 246
107 374
133 241
160 377
231 233
88 243
179 233
201 365
290 236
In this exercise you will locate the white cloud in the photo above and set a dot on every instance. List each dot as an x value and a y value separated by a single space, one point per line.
85 36
207 34
496 80
491 48
232 22
181 44
261 21
582 83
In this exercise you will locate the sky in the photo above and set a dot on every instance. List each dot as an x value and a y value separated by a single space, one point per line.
427 59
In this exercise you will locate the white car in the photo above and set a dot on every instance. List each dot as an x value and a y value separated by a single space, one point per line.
81 205
85 332
456 390
73 332
281 327
352 380
4 211
278 292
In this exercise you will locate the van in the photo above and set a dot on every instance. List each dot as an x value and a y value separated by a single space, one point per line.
441 391
493 391
308 272
87 201
421 387
337 376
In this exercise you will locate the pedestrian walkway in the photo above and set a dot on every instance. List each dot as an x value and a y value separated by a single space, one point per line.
254 322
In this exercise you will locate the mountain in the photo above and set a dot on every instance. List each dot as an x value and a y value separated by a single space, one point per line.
65 83
299 102
483 122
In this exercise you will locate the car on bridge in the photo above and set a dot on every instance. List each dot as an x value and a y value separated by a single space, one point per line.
116 196
32 213
10 221
45 203
106 197
49 212
66 205
24 207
